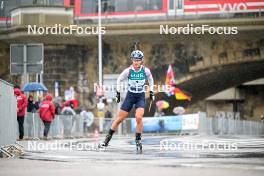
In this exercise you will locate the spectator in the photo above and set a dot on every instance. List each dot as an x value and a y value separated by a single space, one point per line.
262 118
17 86
108 114
68 119
21 109
32 106
88 120
84 116
108 118
57 103
57 109
47 113
159 113
68 109
40 99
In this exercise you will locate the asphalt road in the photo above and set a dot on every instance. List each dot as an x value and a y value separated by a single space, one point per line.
161 155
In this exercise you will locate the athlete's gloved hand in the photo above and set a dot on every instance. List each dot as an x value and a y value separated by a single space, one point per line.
117 96
151 95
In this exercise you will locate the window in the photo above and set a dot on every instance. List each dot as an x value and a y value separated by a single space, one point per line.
90 6
41 2
171 4
2 10
54 2
179 4
27 2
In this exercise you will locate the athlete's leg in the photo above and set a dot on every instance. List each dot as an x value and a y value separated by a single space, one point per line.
140 106
125 109
120 117
139 115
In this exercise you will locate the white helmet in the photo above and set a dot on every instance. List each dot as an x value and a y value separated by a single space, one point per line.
137 54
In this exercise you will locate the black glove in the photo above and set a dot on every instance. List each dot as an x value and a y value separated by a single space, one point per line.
151 95
117 96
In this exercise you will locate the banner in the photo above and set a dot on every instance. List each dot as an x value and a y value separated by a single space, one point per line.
190 122
168 123
159 124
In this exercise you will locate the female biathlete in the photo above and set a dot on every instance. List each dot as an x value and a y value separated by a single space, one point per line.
136 75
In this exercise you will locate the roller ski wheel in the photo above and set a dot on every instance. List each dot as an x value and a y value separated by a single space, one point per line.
139 146
102 147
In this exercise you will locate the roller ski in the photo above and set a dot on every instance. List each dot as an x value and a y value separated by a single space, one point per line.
139 146
108 137
138 143
102 146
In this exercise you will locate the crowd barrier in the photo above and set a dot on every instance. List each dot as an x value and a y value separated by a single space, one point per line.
222 125
8 121
64 126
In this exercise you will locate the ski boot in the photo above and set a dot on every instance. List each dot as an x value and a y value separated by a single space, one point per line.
105 143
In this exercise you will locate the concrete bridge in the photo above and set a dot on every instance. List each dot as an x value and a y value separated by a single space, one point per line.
207 79
216 73
132 31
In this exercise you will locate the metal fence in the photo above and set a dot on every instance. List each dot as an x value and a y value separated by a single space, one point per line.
8 118
67 126
62 126
221 125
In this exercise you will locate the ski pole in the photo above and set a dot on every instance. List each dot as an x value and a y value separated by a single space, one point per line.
150 105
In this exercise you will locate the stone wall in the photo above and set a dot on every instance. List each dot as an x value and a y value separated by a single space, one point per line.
71 66
77 65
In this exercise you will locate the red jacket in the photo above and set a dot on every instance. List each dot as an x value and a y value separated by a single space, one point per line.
47 109
21 102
